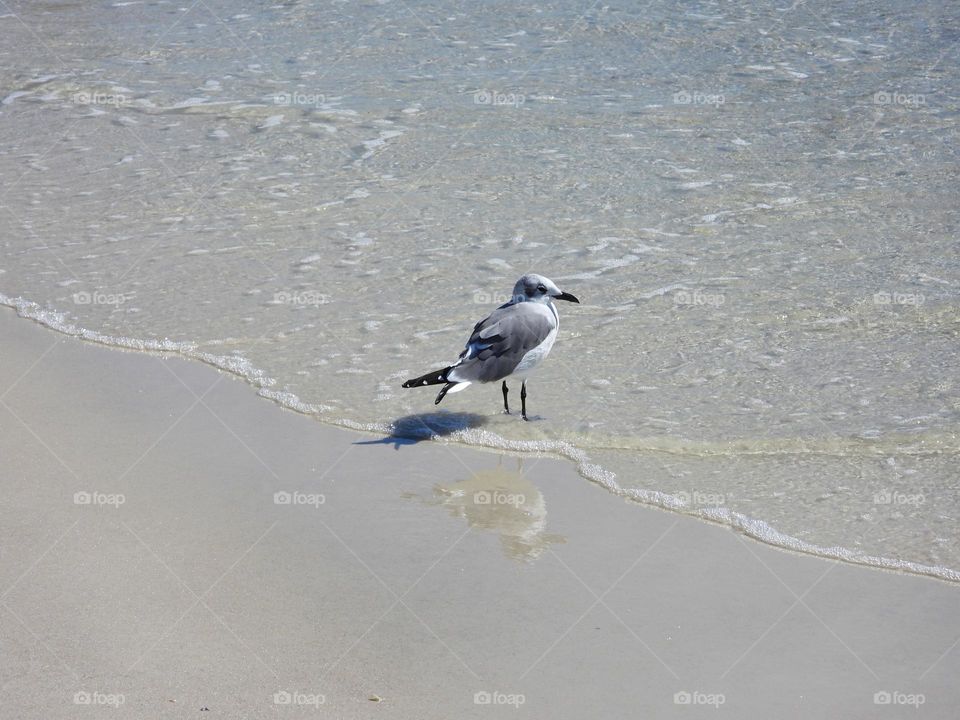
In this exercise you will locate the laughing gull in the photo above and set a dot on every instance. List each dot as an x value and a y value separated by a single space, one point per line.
510 342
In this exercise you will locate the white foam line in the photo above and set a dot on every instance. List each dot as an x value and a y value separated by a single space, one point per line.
757 529
237 365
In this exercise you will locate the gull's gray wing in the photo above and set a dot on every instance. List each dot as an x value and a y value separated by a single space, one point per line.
500 341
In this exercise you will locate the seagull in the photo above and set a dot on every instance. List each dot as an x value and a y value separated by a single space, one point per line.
510 342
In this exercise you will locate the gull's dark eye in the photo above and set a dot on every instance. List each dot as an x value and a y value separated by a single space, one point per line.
541 288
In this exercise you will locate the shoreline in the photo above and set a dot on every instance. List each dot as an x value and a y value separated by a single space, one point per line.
257 379
175 544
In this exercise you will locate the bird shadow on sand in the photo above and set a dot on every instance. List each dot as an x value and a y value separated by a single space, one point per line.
411 429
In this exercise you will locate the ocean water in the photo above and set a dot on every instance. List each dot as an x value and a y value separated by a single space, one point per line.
755 202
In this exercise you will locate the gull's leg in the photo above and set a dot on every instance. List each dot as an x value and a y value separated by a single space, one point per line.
523 400
506 407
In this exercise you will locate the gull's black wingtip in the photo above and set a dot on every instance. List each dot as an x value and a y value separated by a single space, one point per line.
431 378
443 392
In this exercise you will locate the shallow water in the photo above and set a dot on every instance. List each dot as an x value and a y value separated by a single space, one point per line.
756 205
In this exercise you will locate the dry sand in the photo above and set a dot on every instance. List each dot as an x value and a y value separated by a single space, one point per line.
174 585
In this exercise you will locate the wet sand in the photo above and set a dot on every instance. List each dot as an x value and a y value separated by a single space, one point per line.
171 542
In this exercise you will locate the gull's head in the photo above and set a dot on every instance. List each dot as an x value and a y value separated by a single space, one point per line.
537 288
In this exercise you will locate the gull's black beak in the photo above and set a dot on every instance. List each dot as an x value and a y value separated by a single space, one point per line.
566 296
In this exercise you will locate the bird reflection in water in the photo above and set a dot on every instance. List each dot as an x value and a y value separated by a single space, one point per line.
503 501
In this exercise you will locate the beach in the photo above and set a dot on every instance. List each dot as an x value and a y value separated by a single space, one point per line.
754 205
175 546
233 231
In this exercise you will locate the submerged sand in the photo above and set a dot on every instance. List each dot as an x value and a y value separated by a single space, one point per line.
174 545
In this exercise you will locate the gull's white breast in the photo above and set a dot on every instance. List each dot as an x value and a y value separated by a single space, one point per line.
537 355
